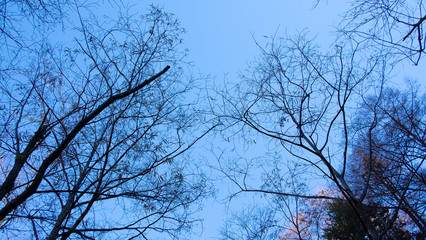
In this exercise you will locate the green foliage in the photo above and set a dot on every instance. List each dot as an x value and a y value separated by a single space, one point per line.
344 224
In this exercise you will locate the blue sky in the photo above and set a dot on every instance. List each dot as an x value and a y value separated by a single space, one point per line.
220 34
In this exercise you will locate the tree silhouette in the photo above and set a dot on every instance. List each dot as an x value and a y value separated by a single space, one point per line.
95 129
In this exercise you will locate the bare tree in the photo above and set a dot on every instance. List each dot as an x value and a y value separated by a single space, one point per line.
24 25
392 27
95 133
306 102
253 222
285 210
301 99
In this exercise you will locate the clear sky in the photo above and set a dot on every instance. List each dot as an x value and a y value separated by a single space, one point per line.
221 37
220 34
